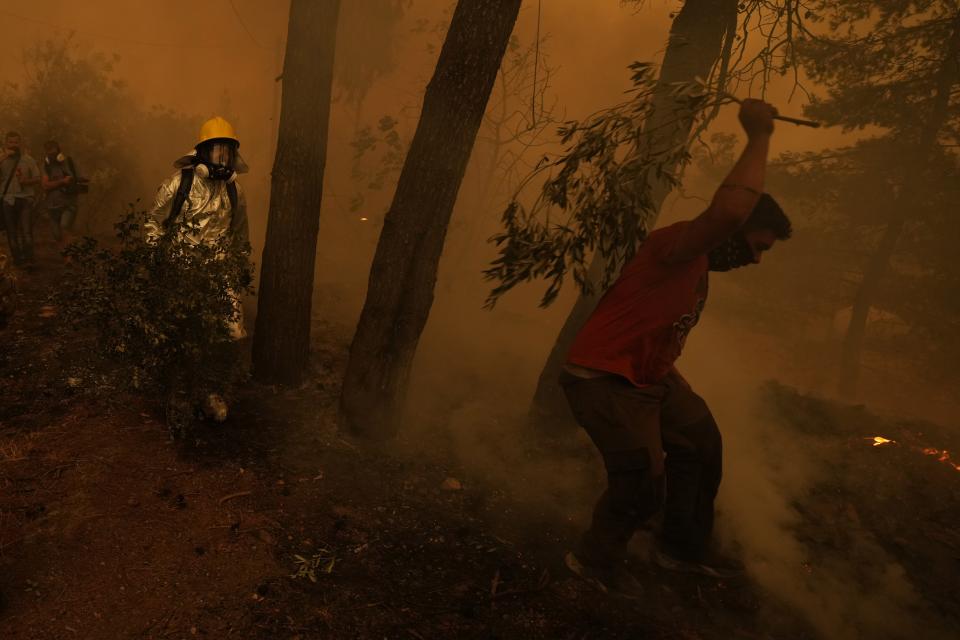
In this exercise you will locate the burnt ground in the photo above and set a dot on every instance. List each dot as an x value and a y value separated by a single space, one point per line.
274 525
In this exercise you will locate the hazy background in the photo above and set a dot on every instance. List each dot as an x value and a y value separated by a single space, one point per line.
476 370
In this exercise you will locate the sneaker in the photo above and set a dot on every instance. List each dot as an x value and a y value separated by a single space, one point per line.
712 566
615 580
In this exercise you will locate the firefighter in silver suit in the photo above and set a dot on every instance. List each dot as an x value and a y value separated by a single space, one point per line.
204 194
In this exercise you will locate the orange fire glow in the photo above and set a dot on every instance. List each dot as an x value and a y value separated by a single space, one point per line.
942 454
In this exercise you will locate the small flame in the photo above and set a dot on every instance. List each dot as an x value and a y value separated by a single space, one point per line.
942 456
363 219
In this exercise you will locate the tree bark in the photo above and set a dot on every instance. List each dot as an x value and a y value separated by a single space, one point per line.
404 270
695 44
857 329
946 79
281 342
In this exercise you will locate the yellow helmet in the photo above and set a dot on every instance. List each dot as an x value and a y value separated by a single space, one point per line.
215 128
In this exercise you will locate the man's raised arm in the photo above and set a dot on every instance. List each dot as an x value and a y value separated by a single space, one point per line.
736 197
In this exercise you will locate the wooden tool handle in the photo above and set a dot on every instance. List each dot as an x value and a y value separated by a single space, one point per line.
802 123
797 121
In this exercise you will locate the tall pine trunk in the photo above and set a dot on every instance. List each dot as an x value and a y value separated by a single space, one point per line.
281 341
947 79
404 271
857 328
697 38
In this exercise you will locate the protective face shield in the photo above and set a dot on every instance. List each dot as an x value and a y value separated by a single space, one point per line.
217 159
735 252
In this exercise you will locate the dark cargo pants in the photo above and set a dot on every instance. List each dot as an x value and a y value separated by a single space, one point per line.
661 448
18 221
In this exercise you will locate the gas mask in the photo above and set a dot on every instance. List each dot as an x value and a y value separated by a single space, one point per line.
735 252
217 159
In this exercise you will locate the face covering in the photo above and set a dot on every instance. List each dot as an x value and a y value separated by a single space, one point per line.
733 253
219 157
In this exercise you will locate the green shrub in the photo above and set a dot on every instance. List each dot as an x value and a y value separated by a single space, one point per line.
160 312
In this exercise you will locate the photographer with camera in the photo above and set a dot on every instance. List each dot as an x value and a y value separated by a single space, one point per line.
18 174
62 186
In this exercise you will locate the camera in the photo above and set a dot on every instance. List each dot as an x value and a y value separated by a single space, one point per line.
79 185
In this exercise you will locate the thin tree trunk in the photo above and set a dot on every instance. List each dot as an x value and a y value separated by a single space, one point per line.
404 270
696 41
947 78
857 329
281 342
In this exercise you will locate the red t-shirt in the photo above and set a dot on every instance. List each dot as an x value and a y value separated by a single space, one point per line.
640 325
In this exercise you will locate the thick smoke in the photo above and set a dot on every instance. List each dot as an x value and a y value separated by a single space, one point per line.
768 468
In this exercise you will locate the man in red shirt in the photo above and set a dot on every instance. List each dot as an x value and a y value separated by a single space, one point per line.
659 442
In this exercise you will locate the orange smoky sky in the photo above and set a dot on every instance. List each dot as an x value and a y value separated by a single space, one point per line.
225 56
199 58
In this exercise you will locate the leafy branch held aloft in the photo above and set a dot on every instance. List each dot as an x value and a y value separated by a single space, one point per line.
597 196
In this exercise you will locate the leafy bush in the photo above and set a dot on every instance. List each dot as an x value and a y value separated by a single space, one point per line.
160 311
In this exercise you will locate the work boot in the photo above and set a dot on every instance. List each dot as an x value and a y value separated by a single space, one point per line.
613 579
214 407
712 565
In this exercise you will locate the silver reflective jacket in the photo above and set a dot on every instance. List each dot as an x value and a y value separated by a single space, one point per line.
207 210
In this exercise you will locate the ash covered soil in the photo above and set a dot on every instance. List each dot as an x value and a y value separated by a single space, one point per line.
274 525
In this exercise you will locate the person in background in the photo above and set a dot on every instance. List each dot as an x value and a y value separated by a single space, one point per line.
59 182
18 176
8 290
658 439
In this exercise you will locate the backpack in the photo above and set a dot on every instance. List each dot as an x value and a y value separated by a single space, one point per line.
79 185
183 192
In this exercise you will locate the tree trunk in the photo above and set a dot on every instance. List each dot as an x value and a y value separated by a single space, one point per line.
404 270
947 78
695 44
857 329
281 342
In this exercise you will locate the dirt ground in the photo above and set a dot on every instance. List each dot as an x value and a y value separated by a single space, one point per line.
274 525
